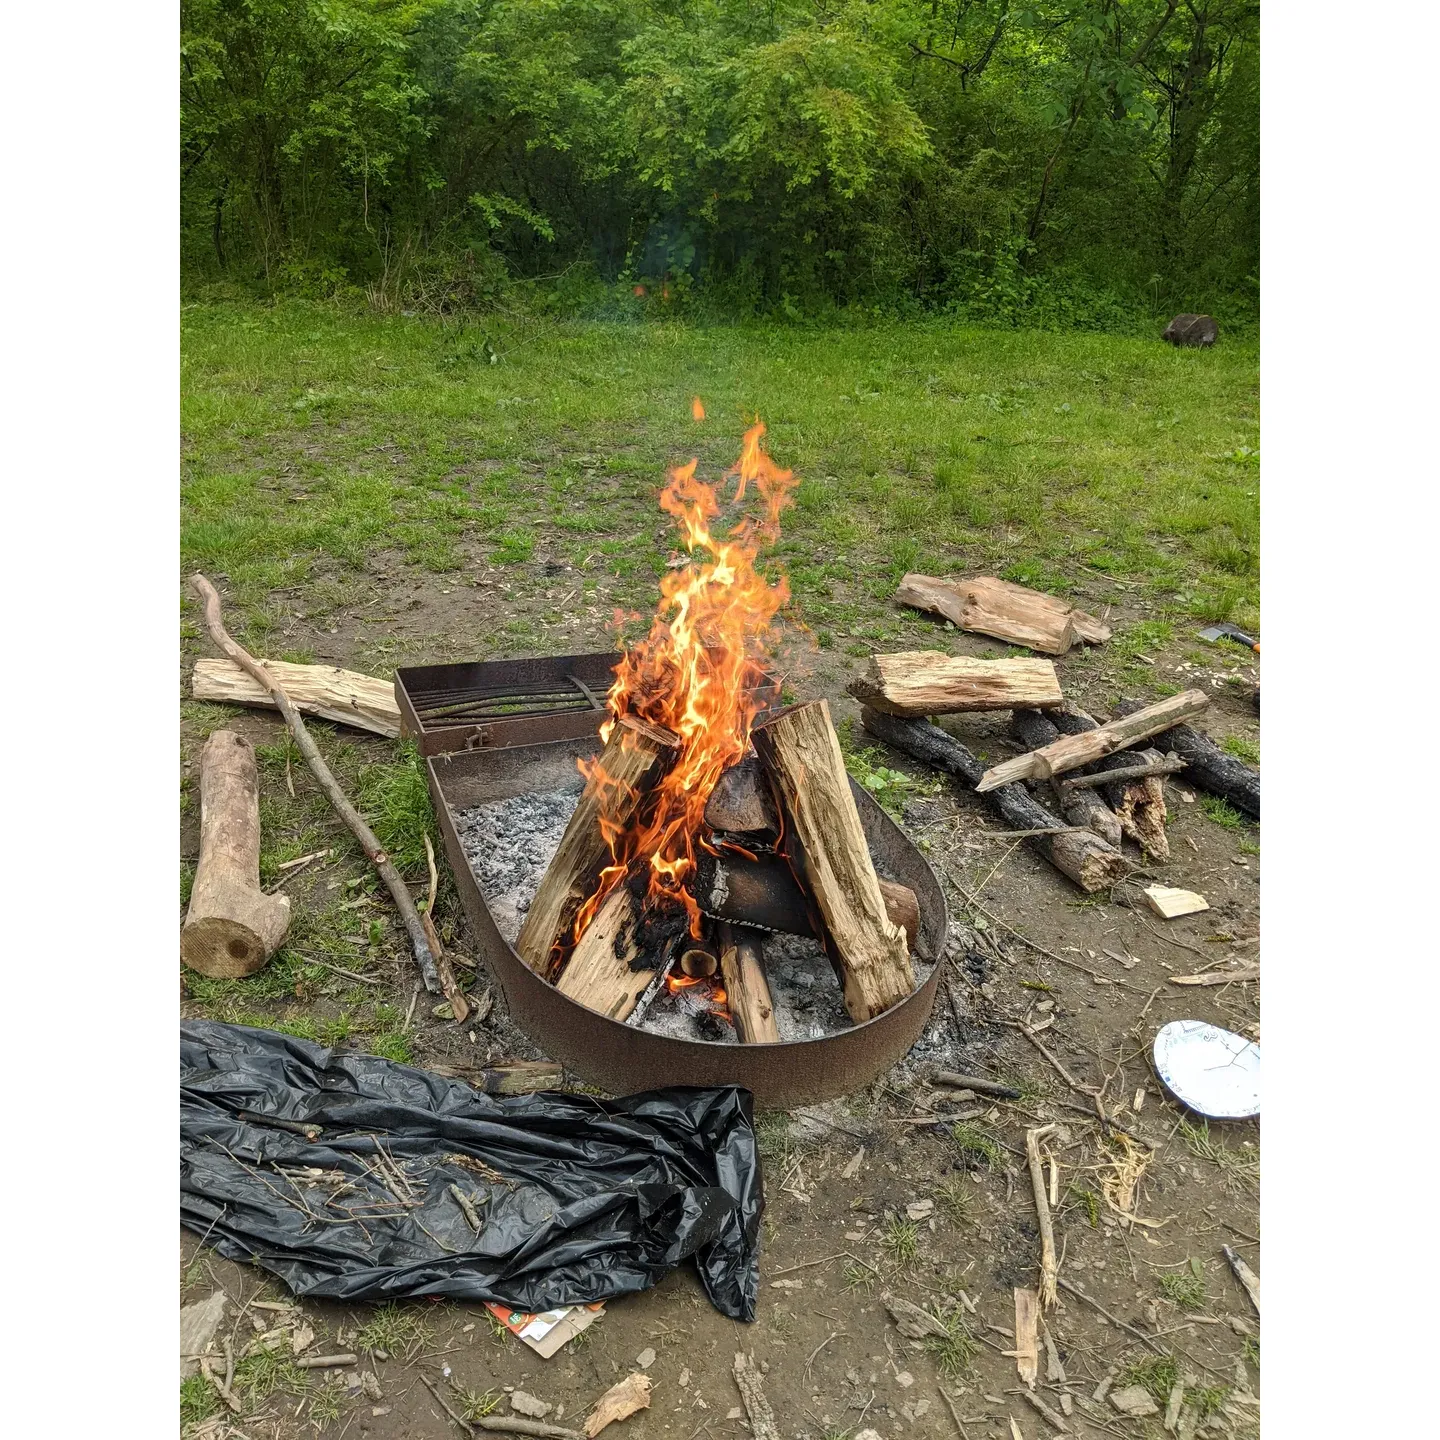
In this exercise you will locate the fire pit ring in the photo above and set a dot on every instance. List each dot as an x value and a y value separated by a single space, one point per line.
624 1059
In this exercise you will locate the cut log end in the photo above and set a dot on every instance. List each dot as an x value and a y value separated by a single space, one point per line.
230 948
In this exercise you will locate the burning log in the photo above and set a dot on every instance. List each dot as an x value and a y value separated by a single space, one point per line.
761 891
1082 807
634 758
741 803
1070 752
698 960
1080 854
801 754
599 973
925 682
1207 765
747 991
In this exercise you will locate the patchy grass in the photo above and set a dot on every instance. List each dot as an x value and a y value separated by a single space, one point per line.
1223 813
396 801
956 1348
1157 1373
399 1330
772 1136
1233 1164
859 1277
198 1400
260 1375
1243 748
1207 1399
976 1147
1185 1288
477 1404
316 438
1088 1200
901 1241
955 1200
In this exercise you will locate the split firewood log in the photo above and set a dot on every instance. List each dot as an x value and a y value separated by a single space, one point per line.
598 973
344 696
741 802
1072 751
1083 856
926 682
747 989
232 927
1083 807
635 757
801 755
987 606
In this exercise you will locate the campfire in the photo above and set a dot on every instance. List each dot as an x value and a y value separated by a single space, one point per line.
709 826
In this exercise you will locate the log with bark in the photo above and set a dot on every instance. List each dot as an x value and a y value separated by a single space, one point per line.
599 972
326 691
1084 807
926 682
374 851
635 757
1207 765
760 890
1070 752
987 606
801 755
232 927
1083 856
747 990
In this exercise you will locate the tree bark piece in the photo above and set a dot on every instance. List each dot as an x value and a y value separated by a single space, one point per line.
345 696
598 972
977 1083
987 606
1032 730
752 1395
1080 855
232 927
1070 752
801 754
635 757
747 990
1207 765
622 1399
926 682
409 916
1244 1274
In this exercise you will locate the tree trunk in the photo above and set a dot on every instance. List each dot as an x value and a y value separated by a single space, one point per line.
802 756
232 927
1081 855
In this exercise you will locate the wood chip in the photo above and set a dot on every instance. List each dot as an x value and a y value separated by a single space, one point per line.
1027 1335
619 1402
1219 977
1169 903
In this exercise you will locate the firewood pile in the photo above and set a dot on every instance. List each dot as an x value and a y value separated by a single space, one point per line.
1105 781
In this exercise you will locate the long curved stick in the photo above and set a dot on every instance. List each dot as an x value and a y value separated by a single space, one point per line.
215 623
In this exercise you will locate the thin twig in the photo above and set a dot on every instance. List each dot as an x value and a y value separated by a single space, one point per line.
348 974
1049 1268
955 1416
1140 1335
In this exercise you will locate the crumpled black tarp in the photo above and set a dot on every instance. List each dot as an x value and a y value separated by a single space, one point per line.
599 1198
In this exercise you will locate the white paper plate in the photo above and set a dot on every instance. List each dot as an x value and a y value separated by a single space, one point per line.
1214 1071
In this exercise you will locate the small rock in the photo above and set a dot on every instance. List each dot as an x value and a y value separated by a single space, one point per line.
646 1358
198 1324
523 1404
684 1377
868 1435
443 1011
1067 1404
382 1354
370 1384
1134 1400
904 1379
735 1412
921 1406
920 1210
787 1284
378 1410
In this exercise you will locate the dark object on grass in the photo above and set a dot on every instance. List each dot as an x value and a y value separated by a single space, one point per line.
1192 330
594 1198
1032 730
1207 765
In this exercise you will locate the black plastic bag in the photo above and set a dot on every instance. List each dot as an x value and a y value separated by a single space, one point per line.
580 1199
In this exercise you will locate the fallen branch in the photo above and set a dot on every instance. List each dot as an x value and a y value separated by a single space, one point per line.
467 1207
1219 977
1166 766
214 622
977 1083
752 1395
1079 1294
1207 765
1245 1275
1049 1266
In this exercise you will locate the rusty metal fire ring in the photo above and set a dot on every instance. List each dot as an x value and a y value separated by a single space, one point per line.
623 1059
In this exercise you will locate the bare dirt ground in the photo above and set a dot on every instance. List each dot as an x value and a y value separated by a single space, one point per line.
839 1235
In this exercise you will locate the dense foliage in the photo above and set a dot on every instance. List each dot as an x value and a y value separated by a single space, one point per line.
1060 160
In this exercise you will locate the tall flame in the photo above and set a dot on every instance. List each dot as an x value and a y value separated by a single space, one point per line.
694 672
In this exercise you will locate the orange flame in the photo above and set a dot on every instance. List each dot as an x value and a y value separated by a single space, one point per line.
697 409
693 674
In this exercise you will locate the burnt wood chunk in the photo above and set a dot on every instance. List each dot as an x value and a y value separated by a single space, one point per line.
1083 807
1207 765
599 972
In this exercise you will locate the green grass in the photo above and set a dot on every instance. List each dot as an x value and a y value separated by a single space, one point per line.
1185 1288
316 439
956 1348
1243 748
260 1375
976 1147
1223 813
477 1404
399 1330
901 1240
198 1400
1088 1200
1157 1373
396 801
